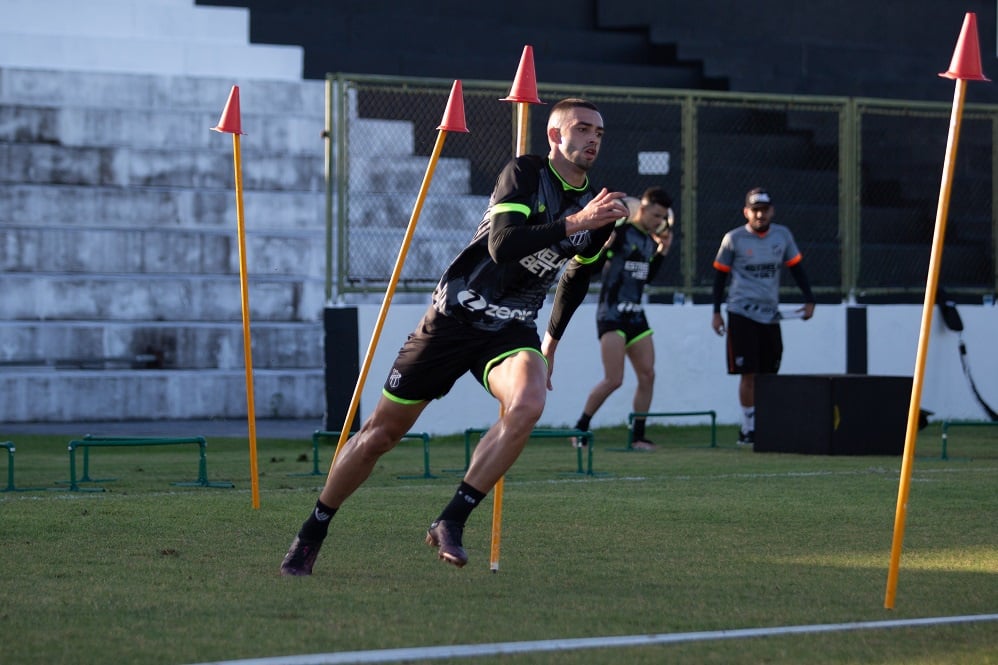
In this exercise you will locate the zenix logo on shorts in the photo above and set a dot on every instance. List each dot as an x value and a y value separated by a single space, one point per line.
476 303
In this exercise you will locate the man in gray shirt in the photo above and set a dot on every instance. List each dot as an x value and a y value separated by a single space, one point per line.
754 255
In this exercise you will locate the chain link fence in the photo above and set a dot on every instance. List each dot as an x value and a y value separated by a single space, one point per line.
857 181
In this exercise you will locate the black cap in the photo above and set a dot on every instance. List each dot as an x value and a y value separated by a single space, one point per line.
758 198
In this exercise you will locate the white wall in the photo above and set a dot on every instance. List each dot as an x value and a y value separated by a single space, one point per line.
690 365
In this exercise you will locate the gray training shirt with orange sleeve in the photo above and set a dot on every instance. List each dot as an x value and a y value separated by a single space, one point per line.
754 262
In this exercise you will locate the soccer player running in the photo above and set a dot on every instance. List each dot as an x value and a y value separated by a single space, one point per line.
754 255
542 212
633 256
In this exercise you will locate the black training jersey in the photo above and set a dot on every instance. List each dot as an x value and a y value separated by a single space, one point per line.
504 274
631 260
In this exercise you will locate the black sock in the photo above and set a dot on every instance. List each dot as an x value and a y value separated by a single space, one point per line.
583 423
464 501
639 429
316 526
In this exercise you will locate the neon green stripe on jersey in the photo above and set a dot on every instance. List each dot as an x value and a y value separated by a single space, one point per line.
511 207
399 400
585 260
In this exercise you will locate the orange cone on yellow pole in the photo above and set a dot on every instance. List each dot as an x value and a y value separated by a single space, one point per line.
453 121
965 66
231 123
523 93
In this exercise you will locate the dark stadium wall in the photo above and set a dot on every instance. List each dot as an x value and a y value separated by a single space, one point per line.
892 48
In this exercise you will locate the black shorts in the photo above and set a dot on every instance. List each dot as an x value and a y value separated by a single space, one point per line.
632 328
753 347
442 348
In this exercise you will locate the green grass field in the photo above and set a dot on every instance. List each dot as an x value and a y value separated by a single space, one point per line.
685 539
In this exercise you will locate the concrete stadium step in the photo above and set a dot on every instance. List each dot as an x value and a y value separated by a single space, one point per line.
174 344
129 36
158 207
97 395
787 150
727 184
142 56
50 296
147 92
131 167
390 212
368 174
167 252
271 134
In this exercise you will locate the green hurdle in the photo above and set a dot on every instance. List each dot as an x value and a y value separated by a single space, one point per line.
90 441
9 445
961 423
670 414
586 436
323 434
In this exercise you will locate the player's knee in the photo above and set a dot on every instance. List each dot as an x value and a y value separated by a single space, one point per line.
611 383
526 410
376 440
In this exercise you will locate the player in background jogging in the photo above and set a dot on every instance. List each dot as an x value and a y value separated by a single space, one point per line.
632 258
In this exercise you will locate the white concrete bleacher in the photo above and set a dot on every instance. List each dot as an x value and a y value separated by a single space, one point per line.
118 221
170 37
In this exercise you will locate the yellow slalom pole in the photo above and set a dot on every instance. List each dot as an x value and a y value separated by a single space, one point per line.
247 348
965 66
390 293
453 121
935 261
523 92
231 123
522 124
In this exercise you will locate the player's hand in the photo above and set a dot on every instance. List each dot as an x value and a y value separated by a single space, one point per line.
717 323
808 310
664 242
548 347
605 208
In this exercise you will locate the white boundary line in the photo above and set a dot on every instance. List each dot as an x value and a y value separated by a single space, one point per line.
503 648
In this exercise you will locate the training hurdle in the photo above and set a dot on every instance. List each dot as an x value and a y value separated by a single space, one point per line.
961 423
670 414
90 441
588 437
9 445
323 434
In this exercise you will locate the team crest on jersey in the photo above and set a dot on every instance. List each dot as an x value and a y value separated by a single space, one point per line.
394 378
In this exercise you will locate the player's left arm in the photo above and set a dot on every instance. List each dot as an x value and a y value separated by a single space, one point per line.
797 271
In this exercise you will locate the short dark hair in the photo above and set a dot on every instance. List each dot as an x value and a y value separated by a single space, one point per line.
657 195
573 103
557 114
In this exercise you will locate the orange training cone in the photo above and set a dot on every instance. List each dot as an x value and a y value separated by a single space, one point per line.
453 120
230 122
525 83
966 63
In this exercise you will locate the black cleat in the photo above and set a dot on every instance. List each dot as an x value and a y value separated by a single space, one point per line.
746 438
446 536
300 557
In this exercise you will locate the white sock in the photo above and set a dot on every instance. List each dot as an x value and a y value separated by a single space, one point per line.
748 418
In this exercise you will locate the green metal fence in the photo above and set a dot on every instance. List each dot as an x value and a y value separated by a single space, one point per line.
857 180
